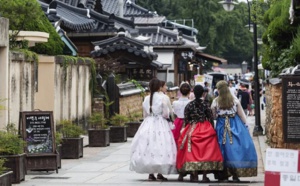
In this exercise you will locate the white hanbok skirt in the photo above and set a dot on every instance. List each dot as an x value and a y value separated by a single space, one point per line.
153 149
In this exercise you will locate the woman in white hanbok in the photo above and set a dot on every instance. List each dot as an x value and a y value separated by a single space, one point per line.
153 149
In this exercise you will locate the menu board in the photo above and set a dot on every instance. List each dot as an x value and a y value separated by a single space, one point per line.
291 108
37 131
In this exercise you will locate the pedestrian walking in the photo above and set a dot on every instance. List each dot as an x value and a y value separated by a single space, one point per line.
198 149
153 149
244 98
240 158
178 107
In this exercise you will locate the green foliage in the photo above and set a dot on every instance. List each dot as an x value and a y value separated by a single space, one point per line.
27 15
2 168
10 144
281 38
29 55
68 129
139 86
58 138
119 120
107 103
98 121
223 33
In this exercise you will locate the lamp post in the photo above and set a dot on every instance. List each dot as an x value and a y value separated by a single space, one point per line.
258 130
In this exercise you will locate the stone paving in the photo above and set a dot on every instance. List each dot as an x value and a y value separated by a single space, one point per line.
109 166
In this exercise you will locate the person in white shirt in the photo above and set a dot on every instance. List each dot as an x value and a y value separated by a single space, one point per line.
232 89
178 107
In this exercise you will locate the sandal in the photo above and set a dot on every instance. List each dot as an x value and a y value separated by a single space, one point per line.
151 177
161 177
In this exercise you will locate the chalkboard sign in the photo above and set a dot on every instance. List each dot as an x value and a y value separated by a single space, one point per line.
291 108
37 130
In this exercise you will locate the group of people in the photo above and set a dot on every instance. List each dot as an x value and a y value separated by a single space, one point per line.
195 146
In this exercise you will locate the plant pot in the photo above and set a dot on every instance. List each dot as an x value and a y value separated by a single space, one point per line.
118 134
6 178
132 128
72 148
98 137
16 164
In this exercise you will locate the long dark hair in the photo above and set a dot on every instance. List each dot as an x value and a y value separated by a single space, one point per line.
154 86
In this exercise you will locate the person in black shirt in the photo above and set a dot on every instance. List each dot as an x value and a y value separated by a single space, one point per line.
244 97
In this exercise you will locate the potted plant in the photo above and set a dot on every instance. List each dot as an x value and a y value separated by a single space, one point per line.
12 150
98 131
72 142
134 123
118 129
5 176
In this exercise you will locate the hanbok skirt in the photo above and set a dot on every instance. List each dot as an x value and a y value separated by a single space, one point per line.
153 149
198 149
237 147
176 131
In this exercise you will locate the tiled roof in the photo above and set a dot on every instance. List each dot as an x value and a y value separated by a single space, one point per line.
156 20
80 3
160 36
129 8
78 19
122 42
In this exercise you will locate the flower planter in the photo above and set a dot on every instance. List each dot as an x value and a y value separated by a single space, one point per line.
98 137
16 164
132 128
118 134
72 148
6 178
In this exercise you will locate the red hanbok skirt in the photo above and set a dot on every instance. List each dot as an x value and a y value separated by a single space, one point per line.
176 131
198 149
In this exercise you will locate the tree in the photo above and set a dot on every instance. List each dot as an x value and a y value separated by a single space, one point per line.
223 33
27 15
281 39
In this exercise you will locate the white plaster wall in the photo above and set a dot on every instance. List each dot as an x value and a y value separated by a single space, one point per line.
15 97
88 96
81 88
4 71
74 92
57 91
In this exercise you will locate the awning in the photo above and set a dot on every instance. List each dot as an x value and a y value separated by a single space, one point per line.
211 58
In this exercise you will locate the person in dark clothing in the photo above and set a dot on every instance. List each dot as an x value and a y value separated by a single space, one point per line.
244 97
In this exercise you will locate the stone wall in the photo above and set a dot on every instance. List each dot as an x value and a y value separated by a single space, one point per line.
273 126
131 104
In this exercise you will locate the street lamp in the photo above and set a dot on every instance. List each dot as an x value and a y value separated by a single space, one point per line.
258 130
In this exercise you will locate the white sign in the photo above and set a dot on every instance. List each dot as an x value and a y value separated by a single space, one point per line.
281 160
289 179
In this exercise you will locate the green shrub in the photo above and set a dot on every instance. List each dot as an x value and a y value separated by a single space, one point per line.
11 144
119 120
68 129
98 121
2 168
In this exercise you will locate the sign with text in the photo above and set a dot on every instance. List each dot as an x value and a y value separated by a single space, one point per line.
291 108
281 160
289 179
37 131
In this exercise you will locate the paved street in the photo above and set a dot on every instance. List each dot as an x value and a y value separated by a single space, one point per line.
109 166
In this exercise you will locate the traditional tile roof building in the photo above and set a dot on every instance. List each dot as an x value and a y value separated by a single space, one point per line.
93 25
